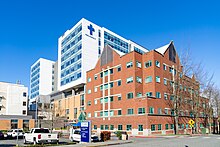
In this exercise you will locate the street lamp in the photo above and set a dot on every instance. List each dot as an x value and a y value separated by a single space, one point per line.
36 112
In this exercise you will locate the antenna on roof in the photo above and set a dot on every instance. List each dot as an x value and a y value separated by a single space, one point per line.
18 82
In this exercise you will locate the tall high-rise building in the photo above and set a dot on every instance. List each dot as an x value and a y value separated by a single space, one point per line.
42 79
80 47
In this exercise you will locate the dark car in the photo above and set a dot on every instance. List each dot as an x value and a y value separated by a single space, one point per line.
94 138
1 135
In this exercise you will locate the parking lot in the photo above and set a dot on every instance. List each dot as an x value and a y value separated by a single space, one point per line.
14 142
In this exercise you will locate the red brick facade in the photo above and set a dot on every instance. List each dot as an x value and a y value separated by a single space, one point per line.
142 112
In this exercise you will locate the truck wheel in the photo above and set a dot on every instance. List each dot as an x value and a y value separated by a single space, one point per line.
35 142
25 142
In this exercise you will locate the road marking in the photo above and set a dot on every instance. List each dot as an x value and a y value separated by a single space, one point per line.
218 138
206 137
193 137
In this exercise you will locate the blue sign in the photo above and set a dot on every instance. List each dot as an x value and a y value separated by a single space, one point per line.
86 131
91 29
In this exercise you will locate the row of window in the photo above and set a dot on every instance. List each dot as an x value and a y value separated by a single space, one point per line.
35 83
35 78
72 52
74 77
35 72
71 35
33 95
73 43
34 89
74 68
35 67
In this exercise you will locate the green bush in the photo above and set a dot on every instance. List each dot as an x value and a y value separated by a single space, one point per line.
119 135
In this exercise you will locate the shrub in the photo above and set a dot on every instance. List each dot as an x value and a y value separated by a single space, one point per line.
105 135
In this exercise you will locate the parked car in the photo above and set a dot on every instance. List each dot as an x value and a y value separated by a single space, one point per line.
13 133
1 135
75 136
40 135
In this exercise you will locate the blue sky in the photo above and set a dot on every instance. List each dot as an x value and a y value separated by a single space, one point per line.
29 29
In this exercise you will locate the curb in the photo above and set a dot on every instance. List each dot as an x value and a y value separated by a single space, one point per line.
116 143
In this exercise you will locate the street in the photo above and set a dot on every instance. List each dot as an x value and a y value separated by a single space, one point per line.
165 141
182 141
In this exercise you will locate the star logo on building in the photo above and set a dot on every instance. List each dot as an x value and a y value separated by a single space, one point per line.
91 29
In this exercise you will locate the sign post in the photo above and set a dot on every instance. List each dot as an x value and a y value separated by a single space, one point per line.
191 124
86 131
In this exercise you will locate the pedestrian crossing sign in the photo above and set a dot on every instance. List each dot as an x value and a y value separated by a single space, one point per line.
191 123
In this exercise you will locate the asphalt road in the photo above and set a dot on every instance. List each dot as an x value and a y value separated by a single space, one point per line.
186 141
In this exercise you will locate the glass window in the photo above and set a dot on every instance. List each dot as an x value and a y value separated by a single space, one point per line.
171 126
128 127
24 94
89 80
138 64
141 110
89 91
159 111
119 68
159 127
151 110
165 96
95 77
140 128
130 80
164 67
148 79
119 82
153 128
89 103
119 112
166 126
139 79
89 115
130 111
106 127
129 64
139 94
119 98
24 103
130 95
166 111
148 63
102 127
67 111
157 79
165 81
111 127
95 89
157 63
120 127
95 127
150 94
158 95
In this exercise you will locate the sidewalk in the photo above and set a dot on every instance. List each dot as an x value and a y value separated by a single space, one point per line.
96 144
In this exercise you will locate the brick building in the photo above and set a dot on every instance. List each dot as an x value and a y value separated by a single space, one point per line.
136 92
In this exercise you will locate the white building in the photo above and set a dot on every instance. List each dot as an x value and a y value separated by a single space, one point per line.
42 79
80 47
13 99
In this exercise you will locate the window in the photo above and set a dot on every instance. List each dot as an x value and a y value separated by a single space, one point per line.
170 69
24 94
159 127
119 112
140 127
89 80
157 63
89 91
130 80
111 127
159 111
130 111
95 89
171 97
89 103
138 79
119 82
128 127
172 112
111 71
130 95
166 111
119 97
141 110
111 84
165 81
148 79
171 126
24 112
139 94
95 101
111 98
129 64
151 110
106 127
152 127
95 127
165 96
95 77
138 64
164 67
67 111
148 63
150 94
89 115
102 127
24 103
166 126
157 79
120 127
158 95
119 68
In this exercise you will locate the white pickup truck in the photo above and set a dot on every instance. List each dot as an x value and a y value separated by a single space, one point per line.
40 135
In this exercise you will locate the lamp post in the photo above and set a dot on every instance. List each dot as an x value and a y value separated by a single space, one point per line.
36 113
